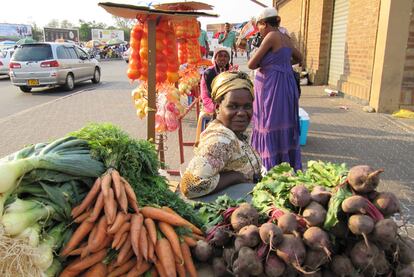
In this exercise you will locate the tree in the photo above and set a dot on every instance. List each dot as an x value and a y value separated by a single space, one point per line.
54 23
37 33
66 24
125 24
85 27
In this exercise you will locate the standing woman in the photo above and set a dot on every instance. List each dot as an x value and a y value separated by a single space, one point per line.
275 119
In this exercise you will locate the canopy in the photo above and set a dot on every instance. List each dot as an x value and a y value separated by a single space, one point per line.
25 40
115 41
94 43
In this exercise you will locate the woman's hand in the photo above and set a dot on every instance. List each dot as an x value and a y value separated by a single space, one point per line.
230 178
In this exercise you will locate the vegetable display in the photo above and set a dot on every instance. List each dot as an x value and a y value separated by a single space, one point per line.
327 221
91 203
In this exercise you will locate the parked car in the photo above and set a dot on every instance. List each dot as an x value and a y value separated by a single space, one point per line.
52 64
126 55
5 56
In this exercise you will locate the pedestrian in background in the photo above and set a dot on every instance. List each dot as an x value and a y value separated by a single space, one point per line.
203 41
228 39
276 108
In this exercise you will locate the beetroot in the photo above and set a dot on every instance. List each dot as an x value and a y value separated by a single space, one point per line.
203 251
405 250
299 196
274 267
355 204
315 259
247 236
317 239
287 223
363 178
361 225
385 232
363 256
229 255
244 215
321 195
219 267
387 203
405 270
247 263
221 236
270 234
341 265
314 214
292 251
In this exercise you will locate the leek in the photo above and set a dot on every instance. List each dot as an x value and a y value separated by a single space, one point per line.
54 269
53 240
67 155
32 234
16 223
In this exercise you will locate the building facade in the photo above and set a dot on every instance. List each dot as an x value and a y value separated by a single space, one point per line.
362 48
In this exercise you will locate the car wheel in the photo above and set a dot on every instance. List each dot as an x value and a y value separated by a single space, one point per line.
96 76
70 83
127 61
25 89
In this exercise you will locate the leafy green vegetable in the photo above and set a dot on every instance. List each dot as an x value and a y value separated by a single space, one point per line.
334 206
137 161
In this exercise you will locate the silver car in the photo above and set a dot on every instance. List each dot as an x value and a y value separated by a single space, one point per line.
52 64
5 56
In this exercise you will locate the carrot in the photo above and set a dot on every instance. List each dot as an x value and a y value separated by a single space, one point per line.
110 207
190 241
143 243
125 227
82 217
166 257
132 198
116 181
106 183
188 260
124 268
172 237
88 261
139 269
151 250
81 232
189 224
111 266
98 270
123 200
197 237
136 226
119 220
122 241
126 258
151 229
99 238
97 208
180 269
161 215
154 272
123 251
88 199
68 272
160 269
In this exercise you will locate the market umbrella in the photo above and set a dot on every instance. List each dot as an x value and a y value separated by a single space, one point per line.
94 43
25 40
115 41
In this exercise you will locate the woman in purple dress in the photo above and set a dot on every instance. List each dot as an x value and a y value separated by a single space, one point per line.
275 119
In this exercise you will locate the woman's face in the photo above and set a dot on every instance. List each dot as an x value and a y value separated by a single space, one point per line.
235 110
222 59
262 27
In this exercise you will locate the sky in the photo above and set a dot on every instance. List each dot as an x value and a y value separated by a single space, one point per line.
43 11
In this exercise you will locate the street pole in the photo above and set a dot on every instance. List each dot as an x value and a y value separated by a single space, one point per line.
152 108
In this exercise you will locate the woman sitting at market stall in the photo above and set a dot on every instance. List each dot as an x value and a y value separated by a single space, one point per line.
224 157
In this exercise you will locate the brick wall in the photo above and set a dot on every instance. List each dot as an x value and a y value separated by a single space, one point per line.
407 87
360 48
290 13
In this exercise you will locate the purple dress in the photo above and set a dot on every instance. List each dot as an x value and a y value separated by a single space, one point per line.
275 114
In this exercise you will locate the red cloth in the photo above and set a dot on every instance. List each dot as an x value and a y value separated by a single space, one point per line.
203 51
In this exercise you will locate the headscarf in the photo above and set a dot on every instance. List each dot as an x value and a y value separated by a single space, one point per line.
220 49
228 81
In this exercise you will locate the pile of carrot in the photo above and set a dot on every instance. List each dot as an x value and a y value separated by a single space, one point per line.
143 239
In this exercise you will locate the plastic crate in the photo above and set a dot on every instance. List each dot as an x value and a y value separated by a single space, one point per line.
304 126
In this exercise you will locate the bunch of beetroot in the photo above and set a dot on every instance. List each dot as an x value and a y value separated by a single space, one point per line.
365 241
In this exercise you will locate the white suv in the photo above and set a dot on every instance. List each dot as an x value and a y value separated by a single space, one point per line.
52 64
5 56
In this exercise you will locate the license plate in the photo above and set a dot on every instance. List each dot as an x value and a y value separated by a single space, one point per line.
33 82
